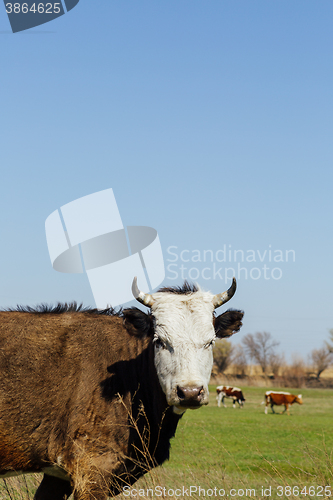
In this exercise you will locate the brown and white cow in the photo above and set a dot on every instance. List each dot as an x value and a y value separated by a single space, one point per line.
92 398
281 398
225 391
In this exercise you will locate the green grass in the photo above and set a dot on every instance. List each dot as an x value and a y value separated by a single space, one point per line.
244 448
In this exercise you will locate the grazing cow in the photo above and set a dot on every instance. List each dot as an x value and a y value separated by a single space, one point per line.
234 393
92 398
281 398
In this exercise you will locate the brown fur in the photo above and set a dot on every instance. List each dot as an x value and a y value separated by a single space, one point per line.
282 399
232 393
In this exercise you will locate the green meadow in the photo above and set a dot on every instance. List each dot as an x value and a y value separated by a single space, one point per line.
243 448
242 453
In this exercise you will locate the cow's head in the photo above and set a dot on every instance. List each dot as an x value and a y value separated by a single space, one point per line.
184 327
299 399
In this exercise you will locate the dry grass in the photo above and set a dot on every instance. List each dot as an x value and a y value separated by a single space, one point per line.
293 375
255 370
20 487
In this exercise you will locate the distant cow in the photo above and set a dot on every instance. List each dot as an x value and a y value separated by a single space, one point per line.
92 398
235 393
281 398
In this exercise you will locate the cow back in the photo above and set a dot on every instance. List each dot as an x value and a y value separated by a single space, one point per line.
76 385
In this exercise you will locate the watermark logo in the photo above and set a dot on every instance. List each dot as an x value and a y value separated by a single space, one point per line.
88 235
26 14
192 491
226 262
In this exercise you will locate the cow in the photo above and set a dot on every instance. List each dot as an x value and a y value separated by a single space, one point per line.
234 393
281 398
92 398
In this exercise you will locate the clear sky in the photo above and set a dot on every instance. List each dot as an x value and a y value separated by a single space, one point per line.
211 120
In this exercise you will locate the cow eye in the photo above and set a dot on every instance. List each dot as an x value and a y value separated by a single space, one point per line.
158 342
211 343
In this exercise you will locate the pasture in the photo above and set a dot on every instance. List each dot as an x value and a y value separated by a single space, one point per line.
245 444
241 449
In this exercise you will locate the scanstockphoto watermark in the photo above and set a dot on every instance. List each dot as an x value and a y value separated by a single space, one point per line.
284 491
226 262
187 491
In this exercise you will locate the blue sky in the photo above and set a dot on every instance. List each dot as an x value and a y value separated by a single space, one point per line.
211 121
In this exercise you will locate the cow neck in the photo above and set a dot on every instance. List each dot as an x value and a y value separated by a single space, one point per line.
150 390
161 417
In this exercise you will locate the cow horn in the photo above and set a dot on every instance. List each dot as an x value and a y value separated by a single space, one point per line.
144 298
222 298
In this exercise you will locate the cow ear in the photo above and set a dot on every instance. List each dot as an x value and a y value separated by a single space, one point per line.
228 323
137 322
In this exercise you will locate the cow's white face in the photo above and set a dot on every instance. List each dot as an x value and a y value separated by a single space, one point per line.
183 346
184 331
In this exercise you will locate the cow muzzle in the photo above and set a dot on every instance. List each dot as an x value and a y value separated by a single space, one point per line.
191 397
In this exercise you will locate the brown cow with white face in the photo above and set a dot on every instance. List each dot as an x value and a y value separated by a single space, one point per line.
234 393
92 398
281 398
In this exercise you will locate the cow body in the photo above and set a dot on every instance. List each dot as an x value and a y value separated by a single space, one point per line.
91 399
281 398
234 393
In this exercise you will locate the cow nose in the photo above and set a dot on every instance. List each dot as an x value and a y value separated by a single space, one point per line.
190 395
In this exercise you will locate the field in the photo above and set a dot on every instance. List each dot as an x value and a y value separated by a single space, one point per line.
238 450
243 449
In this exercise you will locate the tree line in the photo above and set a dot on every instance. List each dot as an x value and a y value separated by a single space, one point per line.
261 349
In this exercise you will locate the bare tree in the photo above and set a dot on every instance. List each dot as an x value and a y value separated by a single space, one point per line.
222 353
239 361
259 347
276 361
320 359
295 372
